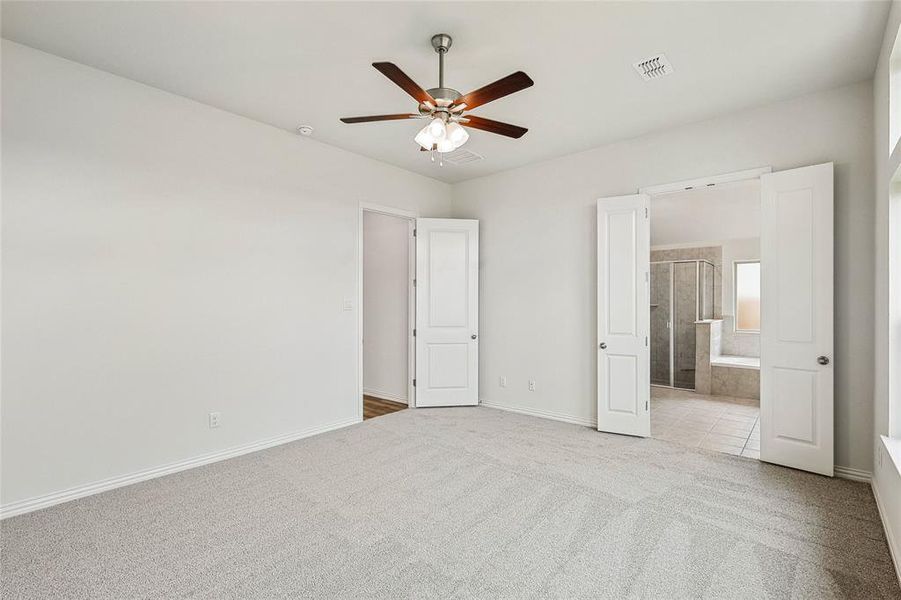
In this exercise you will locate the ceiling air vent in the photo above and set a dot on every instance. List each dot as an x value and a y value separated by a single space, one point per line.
461 156
654 67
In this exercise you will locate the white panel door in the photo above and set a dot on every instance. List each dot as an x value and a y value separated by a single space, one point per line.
447 312
796 376
624 251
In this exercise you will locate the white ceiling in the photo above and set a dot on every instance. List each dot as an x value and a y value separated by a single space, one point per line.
292 63
727 211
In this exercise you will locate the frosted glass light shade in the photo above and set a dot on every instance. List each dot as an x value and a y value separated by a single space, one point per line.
446 145
424 138
437 129
457 134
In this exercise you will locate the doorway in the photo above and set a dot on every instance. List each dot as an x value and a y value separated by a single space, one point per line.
705 361
387 310
780 299
440 309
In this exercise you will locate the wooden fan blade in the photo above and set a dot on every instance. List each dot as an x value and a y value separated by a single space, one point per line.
500 88
377 118
513 131
434 147
392 72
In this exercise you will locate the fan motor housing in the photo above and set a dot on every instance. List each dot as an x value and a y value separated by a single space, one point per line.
443 96
444 93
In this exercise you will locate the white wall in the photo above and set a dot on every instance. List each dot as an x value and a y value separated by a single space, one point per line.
538 298
724 212
886 478
163 259
386 324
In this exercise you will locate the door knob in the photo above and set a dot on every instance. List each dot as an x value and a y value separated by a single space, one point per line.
823 360
473 336
603 346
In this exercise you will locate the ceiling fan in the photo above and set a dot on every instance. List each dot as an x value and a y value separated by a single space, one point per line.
444 107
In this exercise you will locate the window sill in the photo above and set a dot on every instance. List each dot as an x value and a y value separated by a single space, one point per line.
893 449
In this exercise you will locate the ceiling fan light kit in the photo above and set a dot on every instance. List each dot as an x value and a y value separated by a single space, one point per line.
444 107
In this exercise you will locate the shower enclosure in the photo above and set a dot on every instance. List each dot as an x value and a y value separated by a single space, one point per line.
681 293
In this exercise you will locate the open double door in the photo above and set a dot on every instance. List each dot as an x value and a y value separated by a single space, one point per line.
796 374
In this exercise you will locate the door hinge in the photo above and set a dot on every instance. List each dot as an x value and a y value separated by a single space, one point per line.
414 333
414 283
646 340
414 382
645 212
414 232
646 405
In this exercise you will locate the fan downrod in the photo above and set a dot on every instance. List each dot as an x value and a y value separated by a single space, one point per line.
445 96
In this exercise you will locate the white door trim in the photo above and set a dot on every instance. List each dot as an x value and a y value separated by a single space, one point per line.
410 216
681 186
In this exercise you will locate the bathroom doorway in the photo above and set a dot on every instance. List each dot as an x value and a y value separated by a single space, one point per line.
768 348
704 368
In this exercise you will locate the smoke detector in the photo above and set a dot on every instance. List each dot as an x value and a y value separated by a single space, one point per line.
653 67
305 130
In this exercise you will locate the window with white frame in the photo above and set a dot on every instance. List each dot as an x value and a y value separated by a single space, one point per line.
746 292
894 93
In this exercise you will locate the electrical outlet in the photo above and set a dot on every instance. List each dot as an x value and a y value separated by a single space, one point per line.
215 419
502 381
531 385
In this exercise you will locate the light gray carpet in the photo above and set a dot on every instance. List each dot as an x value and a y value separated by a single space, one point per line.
460 503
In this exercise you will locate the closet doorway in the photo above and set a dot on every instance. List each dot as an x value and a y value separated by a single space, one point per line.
387 309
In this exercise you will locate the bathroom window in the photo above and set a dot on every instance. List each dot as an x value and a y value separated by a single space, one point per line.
747 296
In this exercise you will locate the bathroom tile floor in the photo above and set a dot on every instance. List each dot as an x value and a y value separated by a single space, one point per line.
720 423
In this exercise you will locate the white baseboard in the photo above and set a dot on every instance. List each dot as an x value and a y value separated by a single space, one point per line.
545 414
38 502
852 474
893 547
384 395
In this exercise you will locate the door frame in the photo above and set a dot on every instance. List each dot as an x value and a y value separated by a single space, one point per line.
688 184
410 217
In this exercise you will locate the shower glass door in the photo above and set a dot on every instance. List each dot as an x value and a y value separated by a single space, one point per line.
661 323
682 292
685 313
708 298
